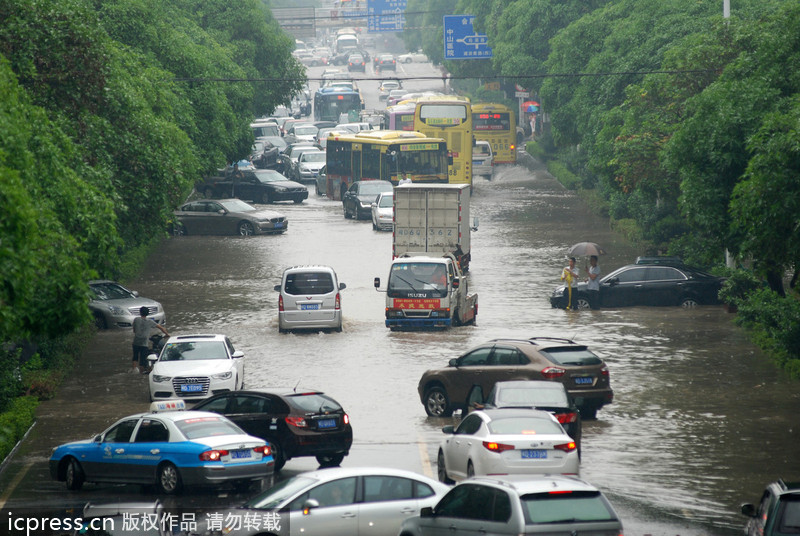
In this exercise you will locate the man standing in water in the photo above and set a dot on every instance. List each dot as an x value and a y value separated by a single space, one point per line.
593 282
569 275
142 326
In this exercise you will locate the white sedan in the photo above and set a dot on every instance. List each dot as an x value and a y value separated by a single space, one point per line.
383 212
193 367
417 56
506 441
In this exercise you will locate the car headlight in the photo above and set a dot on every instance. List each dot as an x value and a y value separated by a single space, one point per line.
558 292
157 378
222 376
117 310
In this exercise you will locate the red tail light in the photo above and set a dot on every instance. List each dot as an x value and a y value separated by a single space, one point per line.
297 422
551 373
566 418
280 303
497 447
346 419
604 371
566 447
338 302
212 455
264 450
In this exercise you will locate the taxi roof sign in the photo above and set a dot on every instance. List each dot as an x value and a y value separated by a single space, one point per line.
167 405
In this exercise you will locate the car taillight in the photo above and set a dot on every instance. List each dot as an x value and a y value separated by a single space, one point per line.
338 302
497 447
212 455
280 303
566 447
298 422
604 371
566 418
263 449
551 373
346 419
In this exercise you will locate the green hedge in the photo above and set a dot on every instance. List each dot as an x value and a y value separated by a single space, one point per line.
15 422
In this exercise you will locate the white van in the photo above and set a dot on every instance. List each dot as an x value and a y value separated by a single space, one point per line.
482 160
309 299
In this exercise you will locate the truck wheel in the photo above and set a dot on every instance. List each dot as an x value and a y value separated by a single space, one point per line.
456 318
436 402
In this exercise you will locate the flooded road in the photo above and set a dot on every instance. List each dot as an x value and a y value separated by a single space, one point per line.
701 420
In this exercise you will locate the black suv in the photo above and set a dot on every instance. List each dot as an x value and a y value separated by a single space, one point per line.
582 372
778 512
295 422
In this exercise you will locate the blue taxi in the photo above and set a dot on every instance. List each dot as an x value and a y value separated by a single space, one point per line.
168 447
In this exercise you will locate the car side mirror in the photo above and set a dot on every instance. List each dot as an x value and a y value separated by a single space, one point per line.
449 429
222 211
426 511
452 363
613 281
342 286
97 438
237 354
309 505
475 223
277 288
749 510
152 358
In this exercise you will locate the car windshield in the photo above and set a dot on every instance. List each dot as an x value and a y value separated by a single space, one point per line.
313 402
235 205
110 291
565 507
313 157
524 426
280 493
571 355
277 141
270 175
310 283
193 351
386 201
530 396
309 130
198 427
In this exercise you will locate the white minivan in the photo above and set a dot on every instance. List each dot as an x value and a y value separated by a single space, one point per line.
482 159
309 299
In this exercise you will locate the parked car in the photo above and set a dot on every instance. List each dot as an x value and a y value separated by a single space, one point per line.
106 518
383 212
114 306
535 394
264 127
308 165
296 423
386 62
395 96
581 371
194 367
301 132
226 216
664 284
345 501
168 448
482 160
259 186
357 200
356 62
288 158
506 441
386 86
778 512
518 504
321 182
410 57
264 154
309 299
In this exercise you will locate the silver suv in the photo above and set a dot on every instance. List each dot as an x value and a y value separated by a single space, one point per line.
518 504
309 299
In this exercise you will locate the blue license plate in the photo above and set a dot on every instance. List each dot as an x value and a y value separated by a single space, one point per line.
588 380
191 388
279 225
539 454
326 423
239 454
309 306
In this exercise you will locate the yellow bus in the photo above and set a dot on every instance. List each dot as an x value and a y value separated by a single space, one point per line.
388 155
495 123
449 117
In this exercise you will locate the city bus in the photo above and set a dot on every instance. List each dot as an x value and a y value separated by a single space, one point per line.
399 117
331 102
387 155
495 123
449 117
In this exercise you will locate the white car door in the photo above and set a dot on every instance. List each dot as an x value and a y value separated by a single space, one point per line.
335 515
388 501
456 447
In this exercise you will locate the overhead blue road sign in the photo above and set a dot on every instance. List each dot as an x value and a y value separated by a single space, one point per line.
386 15
461 42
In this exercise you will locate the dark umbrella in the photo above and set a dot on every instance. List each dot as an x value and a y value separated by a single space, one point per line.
583 249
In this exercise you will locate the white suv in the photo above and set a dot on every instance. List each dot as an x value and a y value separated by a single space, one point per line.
482 160
518 504
194 367
309 299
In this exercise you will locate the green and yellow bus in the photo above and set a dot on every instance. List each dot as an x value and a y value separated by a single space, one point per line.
449 117
496 124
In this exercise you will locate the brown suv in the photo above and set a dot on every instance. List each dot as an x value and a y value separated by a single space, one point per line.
582 372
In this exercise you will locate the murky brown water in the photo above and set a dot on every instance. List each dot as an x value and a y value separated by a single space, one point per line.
700 422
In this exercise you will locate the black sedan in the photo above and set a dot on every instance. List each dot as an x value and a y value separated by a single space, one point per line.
295 422
224 217
646 284
259 186
264 154
357 200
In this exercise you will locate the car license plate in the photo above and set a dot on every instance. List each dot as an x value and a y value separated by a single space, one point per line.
279 225
191 388
585 380
539 454
326 423
309 306
239 454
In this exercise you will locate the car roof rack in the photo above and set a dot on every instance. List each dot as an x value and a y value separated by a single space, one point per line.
659 259
553 339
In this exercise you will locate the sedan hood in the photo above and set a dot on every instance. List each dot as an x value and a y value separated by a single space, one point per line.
200 367
263 214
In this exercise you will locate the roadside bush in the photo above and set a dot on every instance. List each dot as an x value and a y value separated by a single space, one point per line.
774 322
15 422
738 286
564 176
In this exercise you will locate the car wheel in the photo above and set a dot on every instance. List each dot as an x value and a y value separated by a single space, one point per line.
470 469
408 60
588 413
278 455
208 193
178 229
456 318
100 321
374 227
344 209
436 402
168 479
246 228
265 198
74 476
297 201
582 303
689 303
441 470
330 460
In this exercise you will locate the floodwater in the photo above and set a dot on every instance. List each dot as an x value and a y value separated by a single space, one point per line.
701 419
